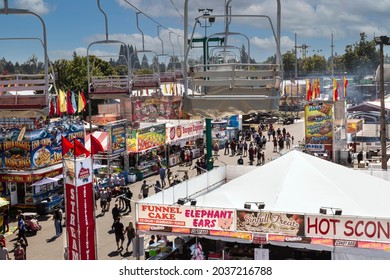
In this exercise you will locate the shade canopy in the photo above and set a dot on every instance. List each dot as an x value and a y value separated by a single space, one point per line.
3 202
45 181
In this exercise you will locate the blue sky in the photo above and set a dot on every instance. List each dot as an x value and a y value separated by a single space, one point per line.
73 24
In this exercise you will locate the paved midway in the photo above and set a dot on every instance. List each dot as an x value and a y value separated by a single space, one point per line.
45 246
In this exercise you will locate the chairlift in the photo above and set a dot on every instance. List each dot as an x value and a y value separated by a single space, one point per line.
25 94
140 81
223 89
166 76
107 87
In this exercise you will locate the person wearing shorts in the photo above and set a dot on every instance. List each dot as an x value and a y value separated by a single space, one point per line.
119 230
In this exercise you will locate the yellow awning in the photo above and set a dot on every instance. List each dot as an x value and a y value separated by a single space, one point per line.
3 202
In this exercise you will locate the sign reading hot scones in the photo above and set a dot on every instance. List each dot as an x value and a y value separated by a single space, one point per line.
344 227
185 216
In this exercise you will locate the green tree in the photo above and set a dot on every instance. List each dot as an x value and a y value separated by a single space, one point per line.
289 64
361 58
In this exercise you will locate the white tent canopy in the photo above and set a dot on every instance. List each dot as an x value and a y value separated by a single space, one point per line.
301 183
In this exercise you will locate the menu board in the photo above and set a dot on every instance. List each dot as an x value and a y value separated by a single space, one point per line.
319 123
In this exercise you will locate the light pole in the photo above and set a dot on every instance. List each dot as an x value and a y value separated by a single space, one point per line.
381 41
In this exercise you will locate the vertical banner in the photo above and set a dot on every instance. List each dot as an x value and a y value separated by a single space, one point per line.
80 211
319 123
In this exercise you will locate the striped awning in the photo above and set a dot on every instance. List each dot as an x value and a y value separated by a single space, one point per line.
99 135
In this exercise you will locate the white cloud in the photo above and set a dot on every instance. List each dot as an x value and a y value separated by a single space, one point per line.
37 6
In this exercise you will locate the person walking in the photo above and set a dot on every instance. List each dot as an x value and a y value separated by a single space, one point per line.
145 189
4 253
57 217
226 152
162 173
128 197
115 212
157 187
216 148
245 149
18 252
6 220
24 247
21 228
130 234
118 228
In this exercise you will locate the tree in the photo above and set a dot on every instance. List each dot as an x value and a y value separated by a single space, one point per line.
289 64
361 58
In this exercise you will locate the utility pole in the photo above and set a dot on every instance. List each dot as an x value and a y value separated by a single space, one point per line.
332 57
382 40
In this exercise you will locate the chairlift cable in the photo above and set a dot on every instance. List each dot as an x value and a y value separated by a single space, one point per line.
149 17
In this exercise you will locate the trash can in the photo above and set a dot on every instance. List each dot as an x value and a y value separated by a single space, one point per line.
132 177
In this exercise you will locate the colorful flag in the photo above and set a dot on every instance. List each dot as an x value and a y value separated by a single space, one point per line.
79 149
313 89
66 145
58 111
69 107
335 90
308 90
96 145
73 100
52 108
316 88
82 102
345 87
62 101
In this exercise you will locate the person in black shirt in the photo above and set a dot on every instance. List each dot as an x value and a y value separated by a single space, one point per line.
119 229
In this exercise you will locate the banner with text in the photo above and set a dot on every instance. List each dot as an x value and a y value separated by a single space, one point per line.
349 228
186 216
185 131
267 222
80 210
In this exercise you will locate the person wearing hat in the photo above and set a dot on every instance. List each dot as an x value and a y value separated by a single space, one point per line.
18 252
4 254
24 246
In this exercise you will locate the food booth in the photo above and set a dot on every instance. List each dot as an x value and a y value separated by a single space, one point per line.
146 147
29 155
182 134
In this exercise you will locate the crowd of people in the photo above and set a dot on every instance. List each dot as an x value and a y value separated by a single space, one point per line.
252 142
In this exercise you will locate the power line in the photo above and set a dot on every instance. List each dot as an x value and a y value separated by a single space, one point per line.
152 19
177 9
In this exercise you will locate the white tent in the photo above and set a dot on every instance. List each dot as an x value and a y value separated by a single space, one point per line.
301 183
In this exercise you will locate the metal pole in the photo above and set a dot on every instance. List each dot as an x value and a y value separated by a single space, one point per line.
383 113
296 59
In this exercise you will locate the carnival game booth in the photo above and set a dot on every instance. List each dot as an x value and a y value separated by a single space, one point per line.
146 148
183 134
313 205
31 151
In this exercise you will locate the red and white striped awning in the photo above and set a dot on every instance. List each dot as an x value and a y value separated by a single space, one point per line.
99 135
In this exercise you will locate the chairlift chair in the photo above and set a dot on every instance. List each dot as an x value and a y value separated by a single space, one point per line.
25 95
107 87
223 89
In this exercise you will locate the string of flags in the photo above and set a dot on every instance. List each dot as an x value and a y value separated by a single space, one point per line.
65 103
313 89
